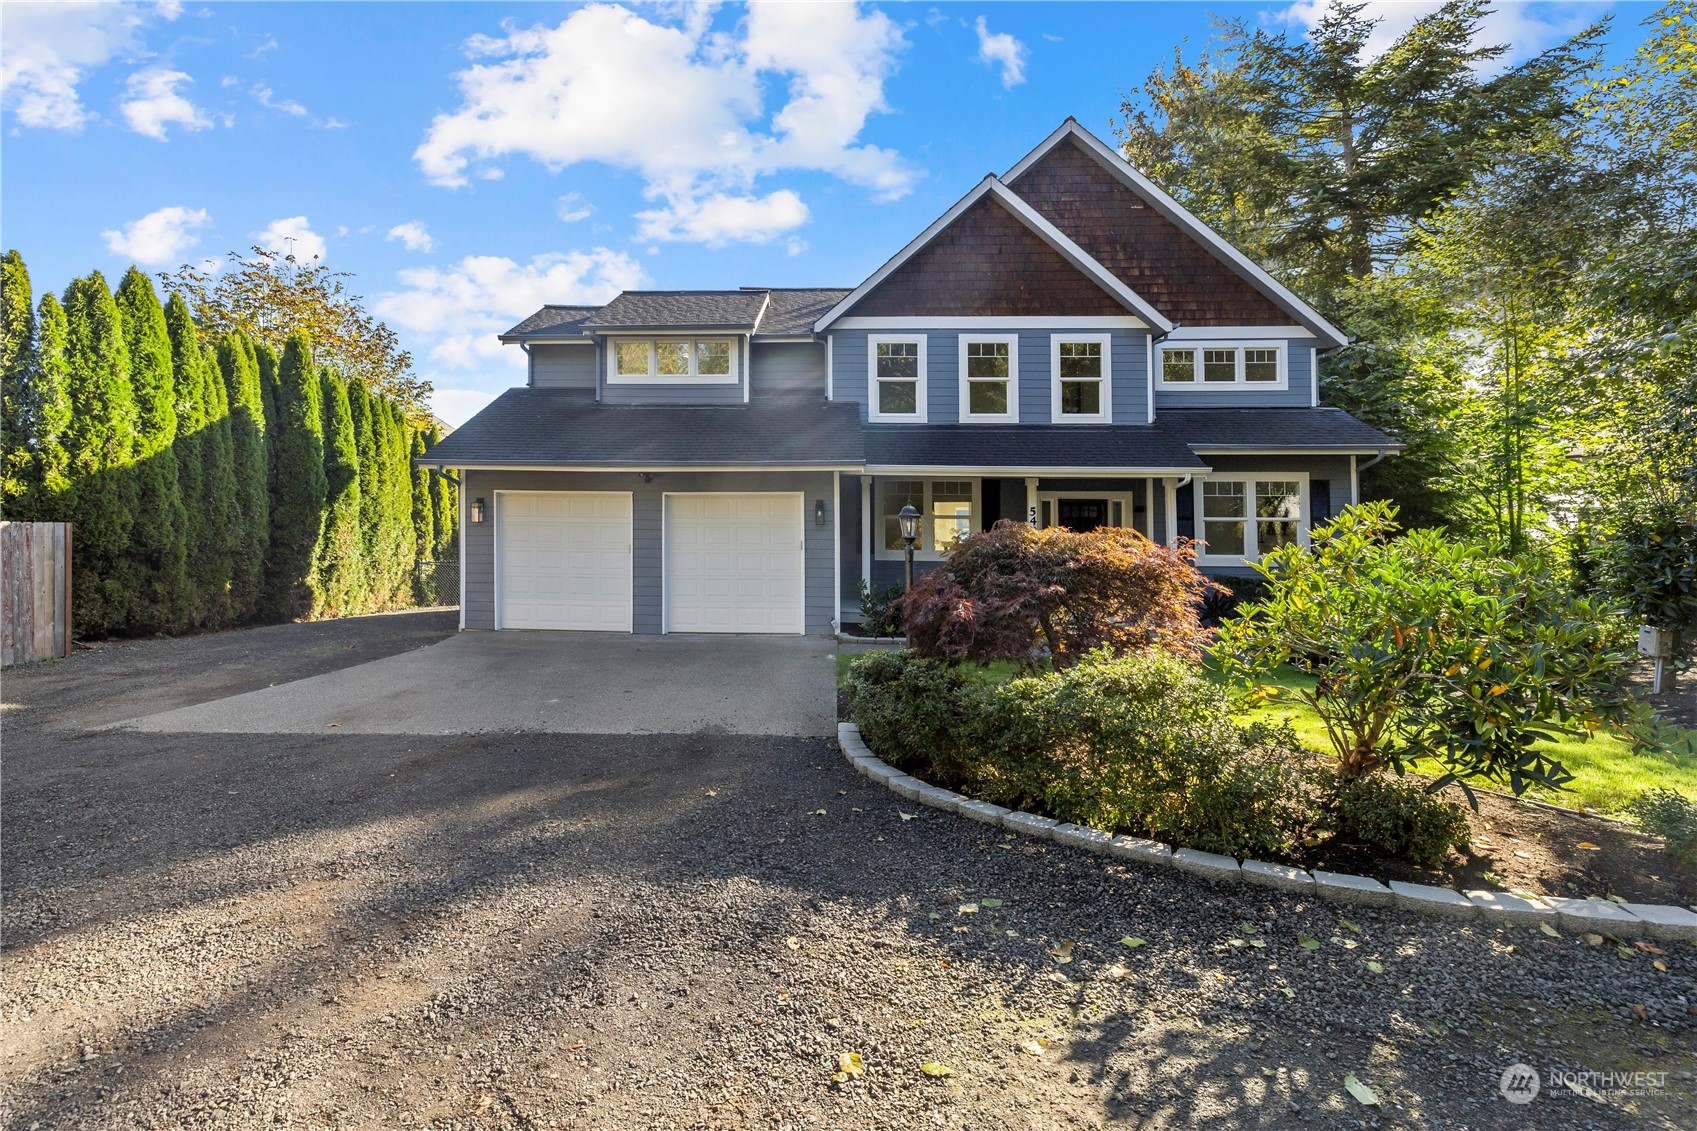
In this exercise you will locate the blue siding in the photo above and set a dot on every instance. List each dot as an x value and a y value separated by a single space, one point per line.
1299 395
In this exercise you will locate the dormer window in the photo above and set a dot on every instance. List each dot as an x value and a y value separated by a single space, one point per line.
1210 364
1080 392
705 361
896 378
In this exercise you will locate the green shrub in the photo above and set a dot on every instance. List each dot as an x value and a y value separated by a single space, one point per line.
919 715
1143 744
881 609
1400 817
1670 816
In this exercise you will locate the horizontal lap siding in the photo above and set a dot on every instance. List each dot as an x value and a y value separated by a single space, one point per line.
646 566
788 369
563 367
1298 356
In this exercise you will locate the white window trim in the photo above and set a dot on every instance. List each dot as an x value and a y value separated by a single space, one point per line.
652 377
880 484
1251 528
1012 415
1200 344
873 341
1106 416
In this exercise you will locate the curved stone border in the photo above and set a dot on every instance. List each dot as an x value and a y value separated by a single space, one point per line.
1496 908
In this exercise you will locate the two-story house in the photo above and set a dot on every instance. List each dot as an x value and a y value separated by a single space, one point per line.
1065 346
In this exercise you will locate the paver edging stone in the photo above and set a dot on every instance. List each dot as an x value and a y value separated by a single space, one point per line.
1495 908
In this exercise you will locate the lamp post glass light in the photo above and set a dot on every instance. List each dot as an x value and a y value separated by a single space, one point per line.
909 520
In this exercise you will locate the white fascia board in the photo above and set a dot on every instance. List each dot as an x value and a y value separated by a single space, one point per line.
1263 450
639 467
1210 333
764 303
991 323
1028 216
527 340
1016 471
1183 217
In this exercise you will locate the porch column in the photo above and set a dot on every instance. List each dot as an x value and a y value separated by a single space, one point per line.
866 530
1171 516
1031 500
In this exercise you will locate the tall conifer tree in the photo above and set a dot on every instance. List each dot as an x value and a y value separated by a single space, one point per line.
158 550
18 465
188 378
446 506
297 502
423 519
100 445
340 588
238 365
370 498
48 498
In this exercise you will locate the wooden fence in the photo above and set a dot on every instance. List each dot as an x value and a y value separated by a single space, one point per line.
35 591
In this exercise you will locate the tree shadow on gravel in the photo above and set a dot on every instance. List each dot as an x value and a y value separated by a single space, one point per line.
696 912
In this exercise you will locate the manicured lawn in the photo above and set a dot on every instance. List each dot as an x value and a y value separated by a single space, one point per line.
1607 772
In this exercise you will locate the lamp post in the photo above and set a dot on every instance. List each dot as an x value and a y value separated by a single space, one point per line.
909 519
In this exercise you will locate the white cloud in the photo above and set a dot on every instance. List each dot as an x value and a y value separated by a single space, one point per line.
456 406
412 235
151 102
573 208
292 235
1526 28
47 49
720 219
696 127
459 310
157 239
267 98
1004 51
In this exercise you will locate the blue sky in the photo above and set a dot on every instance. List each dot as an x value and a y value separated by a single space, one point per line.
467 162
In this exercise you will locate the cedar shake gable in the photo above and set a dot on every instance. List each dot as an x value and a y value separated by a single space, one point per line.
987 263
1164 264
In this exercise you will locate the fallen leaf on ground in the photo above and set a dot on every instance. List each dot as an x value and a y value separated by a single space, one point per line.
1641 1013
1366 1095
1660 965
793 943
575 1045
1062 952
817 813
989 903
969 909
1235 942
1287 991
1132 941
1265 1071
1034 1047
1588 845
1260 943
906 816
1246 928
1117 971
1307 942
1593 938
1375 967
850 1064
1625 951
1013 934
935 915
1649 947
1347 944
1353 928
936 1068
712 793
1549 930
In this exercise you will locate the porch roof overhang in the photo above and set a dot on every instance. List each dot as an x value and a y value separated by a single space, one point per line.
1274 431
1028 449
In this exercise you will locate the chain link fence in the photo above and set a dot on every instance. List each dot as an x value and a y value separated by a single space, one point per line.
437 583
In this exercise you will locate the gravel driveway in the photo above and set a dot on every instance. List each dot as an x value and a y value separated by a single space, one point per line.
633 931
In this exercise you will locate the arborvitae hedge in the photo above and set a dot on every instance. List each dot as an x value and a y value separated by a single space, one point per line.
210 483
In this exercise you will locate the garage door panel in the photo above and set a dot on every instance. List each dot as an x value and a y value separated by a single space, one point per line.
734 563
565 560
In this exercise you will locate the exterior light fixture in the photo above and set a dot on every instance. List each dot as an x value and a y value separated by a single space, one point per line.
908 517
475 514
818 512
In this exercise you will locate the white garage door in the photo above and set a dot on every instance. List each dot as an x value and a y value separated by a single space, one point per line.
565 560
734 563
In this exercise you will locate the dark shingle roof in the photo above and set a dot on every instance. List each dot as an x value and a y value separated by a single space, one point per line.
1014 446
551 322
684 310
539 427
1262 429
794 310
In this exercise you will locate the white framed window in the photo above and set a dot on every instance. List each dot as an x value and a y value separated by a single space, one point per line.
948 509
989 378
1080 378
1240 517
664 361
895 378
1212 365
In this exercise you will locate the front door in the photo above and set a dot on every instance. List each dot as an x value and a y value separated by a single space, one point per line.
1081 515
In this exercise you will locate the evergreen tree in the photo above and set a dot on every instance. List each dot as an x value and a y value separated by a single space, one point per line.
50 418
18 466
238 365
158 548
222 491
100 442
445 504
296 441
188 378
339 589
370 499
423 518
397 509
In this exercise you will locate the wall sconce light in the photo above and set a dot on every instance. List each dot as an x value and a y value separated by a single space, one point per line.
476 512
818 512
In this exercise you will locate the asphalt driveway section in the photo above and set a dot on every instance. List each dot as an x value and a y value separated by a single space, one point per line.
550 682
540 929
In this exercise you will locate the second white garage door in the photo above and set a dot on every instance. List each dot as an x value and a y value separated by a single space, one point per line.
565 560
734 563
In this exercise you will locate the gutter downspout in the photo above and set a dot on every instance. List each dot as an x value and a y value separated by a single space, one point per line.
1171 516
1382 454
529 365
